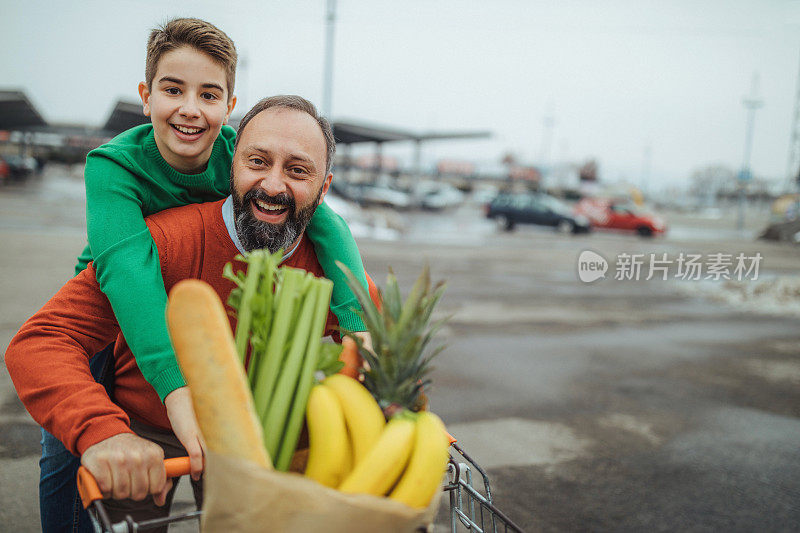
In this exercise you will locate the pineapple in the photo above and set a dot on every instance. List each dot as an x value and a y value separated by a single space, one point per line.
411 452
401 332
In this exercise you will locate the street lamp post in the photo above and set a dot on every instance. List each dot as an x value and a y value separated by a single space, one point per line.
244 64
751 104
327 85
647 157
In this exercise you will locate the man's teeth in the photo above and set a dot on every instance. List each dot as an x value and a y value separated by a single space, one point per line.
188 131
270 207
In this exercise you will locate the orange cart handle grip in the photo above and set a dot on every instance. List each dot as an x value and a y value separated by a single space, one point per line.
90 492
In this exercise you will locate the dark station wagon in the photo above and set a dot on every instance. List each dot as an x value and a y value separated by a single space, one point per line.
510 209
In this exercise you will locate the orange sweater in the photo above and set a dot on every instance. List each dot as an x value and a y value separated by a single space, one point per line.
48 357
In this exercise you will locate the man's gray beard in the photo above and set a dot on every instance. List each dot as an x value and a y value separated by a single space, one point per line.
256 234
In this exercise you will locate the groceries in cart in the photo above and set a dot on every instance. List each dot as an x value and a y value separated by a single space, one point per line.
372 438
376 457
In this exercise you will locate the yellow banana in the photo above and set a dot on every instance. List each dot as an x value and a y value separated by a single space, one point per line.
423 475
363 416
329 445
377 472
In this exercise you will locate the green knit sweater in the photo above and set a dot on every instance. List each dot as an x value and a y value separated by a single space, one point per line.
127 180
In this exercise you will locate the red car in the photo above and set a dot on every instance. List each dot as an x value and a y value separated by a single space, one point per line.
620 215
5 172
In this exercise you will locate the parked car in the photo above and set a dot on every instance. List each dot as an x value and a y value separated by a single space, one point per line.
382 195
366 194
19 166
510 209
620 215
436 196
5 171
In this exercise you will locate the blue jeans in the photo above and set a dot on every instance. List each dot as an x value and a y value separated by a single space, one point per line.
60 505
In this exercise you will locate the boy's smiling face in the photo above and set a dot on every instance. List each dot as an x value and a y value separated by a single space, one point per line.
188 103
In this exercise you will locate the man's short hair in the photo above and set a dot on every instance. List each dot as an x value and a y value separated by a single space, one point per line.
291 101
200 35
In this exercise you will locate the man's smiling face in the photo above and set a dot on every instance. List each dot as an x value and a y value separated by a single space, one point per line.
278 178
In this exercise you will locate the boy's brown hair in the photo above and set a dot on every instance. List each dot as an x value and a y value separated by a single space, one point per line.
200 35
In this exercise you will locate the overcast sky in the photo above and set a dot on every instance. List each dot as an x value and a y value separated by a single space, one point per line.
617 76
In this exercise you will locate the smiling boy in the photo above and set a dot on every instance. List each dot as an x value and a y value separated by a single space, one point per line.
188 103
184 156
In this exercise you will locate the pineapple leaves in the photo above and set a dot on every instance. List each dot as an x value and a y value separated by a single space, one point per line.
369 312
401 333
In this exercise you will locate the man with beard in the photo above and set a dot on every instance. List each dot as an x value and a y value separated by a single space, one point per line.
280 174
279 186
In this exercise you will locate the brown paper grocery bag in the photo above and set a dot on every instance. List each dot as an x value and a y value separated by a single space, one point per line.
242 497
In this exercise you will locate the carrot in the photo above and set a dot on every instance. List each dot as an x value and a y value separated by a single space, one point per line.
351 358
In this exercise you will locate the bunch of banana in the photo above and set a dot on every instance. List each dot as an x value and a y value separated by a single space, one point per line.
423 474
406 463
344 422
352 448
330 454
363 417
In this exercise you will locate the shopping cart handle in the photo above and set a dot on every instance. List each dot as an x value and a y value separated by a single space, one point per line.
90 492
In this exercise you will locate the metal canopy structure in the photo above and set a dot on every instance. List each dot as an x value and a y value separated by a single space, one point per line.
353 133
454 135
348 133
125 115
18 113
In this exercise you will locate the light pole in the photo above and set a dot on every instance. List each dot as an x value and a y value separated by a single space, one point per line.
647 156
327 84
548 123
751 103
793 165
244 65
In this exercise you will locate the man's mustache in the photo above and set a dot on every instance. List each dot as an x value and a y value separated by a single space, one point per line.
278 199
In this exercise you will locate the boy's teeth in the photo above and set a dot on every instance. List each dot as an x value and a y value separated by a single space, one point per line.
189 131
269 207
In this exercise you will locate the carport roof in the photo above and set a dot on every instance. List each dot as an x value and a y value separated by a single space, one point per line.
17 112
454 135
352 132
125 115
349 133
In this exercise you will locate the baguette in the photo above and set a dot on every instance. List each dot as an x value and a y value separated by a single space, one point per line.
206 353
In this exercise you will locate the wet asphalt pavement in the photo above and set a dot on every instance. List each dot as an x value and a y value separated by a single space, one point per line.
611 406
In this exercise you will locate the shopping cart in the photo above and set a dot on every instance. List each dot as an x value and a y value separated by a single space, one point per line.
471 508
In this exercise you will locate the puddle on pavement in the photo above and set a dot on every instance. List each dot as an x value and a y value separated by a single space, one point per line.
775 371
518 442
632 425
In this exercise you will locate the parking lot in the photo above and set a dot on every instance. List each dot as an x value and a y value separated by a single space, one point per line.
620 405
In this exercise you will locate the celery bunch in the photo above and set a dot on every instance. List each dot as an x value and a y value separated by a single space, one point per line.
281 314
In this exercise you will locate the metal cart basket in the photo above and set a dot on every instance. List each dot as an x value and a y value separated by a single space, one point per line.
471 508
468 507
